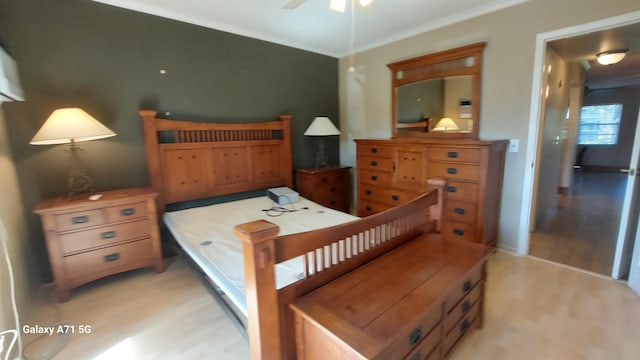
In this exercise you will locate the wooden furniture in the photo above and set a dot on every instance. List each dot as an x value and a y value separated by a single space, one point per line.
392 172
434 86
90 239
326 253
419 310
191 160
327 186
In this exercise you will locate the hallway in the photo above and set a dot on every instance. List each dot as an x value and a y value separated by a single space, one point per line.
581 229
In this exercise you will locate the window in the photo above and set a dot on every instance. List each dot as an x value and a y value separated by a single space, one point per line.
599 124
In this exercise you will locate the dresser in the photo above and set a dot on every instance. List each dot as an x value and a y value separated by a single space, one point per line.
392 172
90 239
419 310
328 186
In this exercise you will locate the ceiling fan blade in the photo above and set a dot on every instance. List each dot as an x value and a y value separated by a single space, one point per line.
292 4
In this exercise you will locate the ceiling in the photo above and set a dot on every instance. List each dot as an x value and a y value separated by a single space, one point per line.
585 47
313 26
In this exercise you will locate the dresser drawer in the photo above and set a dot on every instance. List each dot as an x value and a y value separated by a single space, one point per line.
460 329
388 196
103 260
428 329
460 211
375 178
456 190
374 150
126 212
367 207
427 346
463 288
102 236
454 171
375 163
453 154
452 230
462 307
79 220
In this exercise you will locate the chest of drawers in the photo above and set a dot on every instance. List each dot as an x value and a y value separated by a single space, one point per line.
424 298
327 186
392 172
87 240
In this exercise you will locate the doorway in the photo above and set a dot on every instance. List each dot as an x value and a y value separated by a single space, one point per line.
582 223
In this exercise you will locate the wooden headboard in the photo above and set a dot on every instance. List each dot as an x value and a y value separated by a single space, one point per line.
192 160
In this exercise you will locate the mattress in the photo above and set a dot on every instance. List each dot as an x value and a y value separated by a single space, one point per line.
206 235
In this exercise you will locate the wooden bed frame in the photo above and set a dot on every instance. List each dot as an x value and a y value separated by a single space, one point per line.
190 160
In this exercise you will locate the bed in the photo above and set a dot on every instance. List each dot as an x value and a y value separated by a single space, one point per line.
192 160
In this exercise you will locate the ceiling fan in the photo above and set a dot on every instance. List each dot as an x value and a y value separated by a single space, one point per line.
335 5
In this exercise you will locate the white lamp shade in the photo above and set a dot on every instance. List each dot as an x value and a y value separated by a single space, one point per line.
64 125
612 57
338 5
322 126
446 124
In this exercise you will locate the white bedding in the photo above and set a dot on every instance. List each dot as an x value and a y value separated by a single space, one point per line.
206 234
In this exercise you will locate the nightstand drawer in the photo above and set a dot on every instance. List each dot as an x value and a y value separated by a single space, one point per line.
106 235
79 220
98 261
454 171
453 154
127 212
374 150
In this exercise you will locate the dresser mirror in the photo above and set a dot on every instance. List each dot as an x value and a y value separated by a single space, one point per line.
437 95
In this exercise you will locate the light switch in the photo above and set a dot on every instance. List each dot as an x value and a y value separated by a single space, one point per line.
514 145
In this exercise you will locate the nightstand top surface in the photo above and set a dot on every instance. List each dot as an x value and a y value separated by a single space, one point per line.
108 197
323 169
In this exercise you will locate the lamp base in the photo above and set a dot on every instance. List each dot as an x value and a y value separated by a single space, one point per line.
79 183
322 160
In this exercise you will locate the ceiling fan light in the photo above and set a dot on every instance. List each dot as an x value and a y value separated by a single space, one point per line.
365 2
338 5
612 57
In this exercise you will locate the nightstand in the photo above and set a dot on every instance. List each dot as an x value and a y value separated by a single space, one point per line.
328 186
90 239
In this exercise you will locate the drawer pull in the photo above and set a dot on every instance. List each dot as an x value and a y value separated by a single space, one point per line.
108 235
324 179
374 177
374 150
112 257
464 326
374 163
368 192
395 197
415 336
452 171
467 286
451 189
332 203
452 154
127 212
80 219
459 211
368 208
466 305
332 189
458 232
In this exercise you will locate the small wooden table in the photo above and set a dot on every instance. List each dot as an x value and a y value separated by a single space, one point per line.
328 186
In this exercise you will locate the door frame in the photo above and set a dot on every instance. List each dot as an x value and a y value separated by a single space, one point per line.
536 106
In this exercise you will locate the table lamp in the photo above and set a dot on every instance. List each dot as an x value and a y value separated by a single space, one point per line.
321 126
70 126
446 124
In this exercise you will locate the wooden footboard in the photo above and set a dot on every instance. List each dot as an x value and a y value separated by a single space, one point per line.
327 254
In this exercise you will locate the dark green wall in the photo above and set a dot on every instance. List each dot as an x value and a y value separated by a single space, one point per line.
107 60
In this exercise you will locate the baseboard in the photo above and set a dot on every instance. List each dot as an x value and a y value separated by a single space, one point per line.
596 168
563 190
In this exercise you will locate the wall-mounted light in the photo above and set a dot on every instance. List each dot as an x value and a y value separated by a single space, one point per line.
612 57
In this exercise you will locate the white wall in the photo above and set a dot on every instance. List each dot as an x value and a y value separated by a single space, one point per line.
365 96
12 215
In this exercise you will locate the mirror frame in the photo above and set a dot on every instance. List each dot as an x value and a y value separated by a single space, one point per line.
439 65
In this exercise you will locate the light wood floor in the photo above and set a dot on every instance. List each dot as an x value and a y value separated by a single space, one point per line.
535 310
581 228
